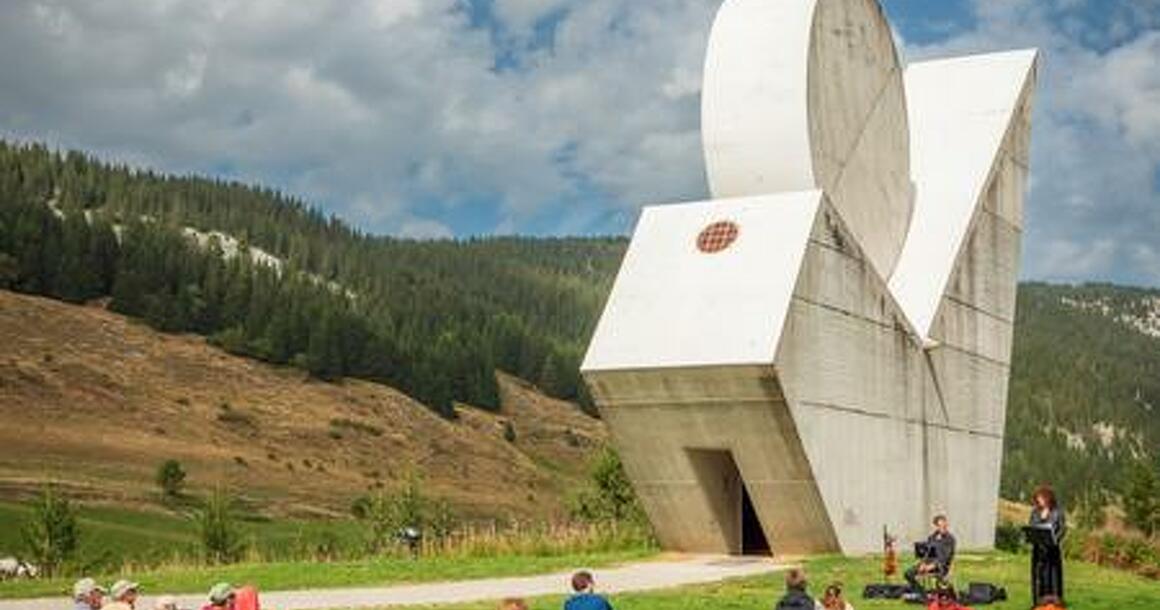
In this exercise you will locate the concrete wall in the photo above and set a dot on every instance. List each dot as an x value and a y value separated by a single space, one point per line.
798 363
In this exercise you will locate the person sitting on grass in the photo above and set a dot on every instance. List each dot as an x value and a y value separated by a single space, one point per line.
795 597
513 603
1050 602
246 598
124 594
583 585
88 595
833 600
221 597
944 598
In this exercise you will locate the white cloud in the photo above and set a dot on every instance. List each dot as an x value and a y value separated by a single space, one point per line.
398 114
1093 204
377 100
418 228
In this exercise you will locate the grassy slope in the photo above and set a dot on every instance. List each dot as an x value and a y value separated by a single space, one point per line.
1090 587
97 402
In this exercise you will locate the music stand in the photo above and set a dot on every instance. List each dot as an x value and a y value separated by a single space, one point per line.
1039 536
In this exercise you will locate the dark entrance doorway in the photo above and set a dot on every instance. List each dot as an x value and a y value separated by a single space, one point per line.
753 541
721 481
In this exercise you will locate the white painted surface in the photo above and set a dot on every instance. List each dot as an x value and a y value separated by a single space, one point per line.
675 306
637 577
796 98
960 111
754 114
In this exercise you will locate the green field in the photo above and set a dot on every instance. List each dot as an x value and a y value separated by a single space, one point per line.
112 536
155 549
308 575
1090 587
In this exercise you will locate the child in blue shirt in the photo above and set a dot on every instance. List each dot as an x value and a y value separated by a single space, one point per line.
584 598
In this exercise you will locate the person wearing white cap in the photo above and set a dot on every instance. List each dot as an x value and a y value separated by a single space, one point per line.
124 594
221 597
165 602
88 595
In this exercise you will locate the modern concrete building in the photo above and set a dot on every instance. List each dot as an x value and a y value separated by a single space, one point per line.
822 350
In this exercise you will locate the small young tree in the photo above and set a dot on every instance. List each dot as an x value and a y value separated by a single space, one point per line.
378 511
1142 499
170 478
610 496
52 535
411 505
387 515
442 521
221 539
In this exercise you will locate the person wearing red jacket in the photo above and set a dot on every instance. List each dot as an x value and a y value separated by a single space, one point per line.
945 599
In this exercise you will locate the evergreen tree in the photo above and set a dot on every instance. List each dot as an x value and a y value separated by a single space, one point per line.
52 534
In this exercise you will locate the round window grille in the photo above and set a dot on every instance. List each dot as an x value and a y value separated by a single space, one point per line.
717 237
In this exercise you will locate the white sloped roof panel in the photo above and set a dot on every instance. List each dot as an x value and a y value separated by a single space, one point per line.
674 305
960 110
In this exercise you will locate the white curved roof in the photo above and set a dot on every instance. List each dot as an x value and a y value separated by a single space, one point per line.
960 110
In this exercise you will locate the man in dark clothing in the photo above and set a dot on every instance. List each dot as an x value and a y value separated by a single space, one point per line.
942 545
795 597
585 599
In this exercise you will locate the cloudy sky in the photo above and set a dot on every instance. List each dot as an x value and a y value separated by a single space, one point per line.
431 118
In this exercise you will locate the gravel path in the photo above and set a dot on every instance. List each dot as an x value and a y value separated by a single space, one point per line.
632 577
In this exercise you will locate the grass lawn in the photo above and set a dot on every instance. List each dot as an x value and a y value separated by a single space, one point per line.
109 534
157 538
1089 587
308 575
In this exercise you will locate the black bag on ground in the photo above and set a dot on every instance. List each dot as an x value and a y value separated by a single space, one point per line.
884 591
979 593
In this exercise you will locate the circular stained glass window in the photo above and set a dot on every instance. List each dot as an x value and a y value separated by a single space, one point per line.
717 237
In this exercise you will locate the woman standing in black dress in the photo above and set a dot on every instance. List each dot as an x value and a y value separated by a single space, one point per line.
1047 560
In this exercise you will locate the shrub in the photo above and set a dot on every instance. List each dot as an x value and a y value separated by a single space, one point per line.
1009 537
341 423
233 417
509 432
171 478
221 539
610 496
52 535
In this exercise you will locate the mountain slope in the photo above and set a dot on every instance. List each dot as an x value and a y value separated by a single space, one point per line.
97 401
1084 389
283 284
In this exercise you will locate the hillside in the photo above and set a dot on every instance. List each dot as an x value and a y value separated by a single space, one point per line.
1085 387
98 401
265 276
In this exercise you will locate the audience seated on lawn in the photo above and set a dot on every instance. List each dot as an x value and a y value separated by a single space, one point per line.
584 598
944 598
833 599
221 597
795 597
246 598
165 602
124 594
88 595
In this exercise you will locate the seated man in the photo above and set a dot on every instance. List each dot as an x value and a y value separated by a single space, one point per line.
585 597
939 564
